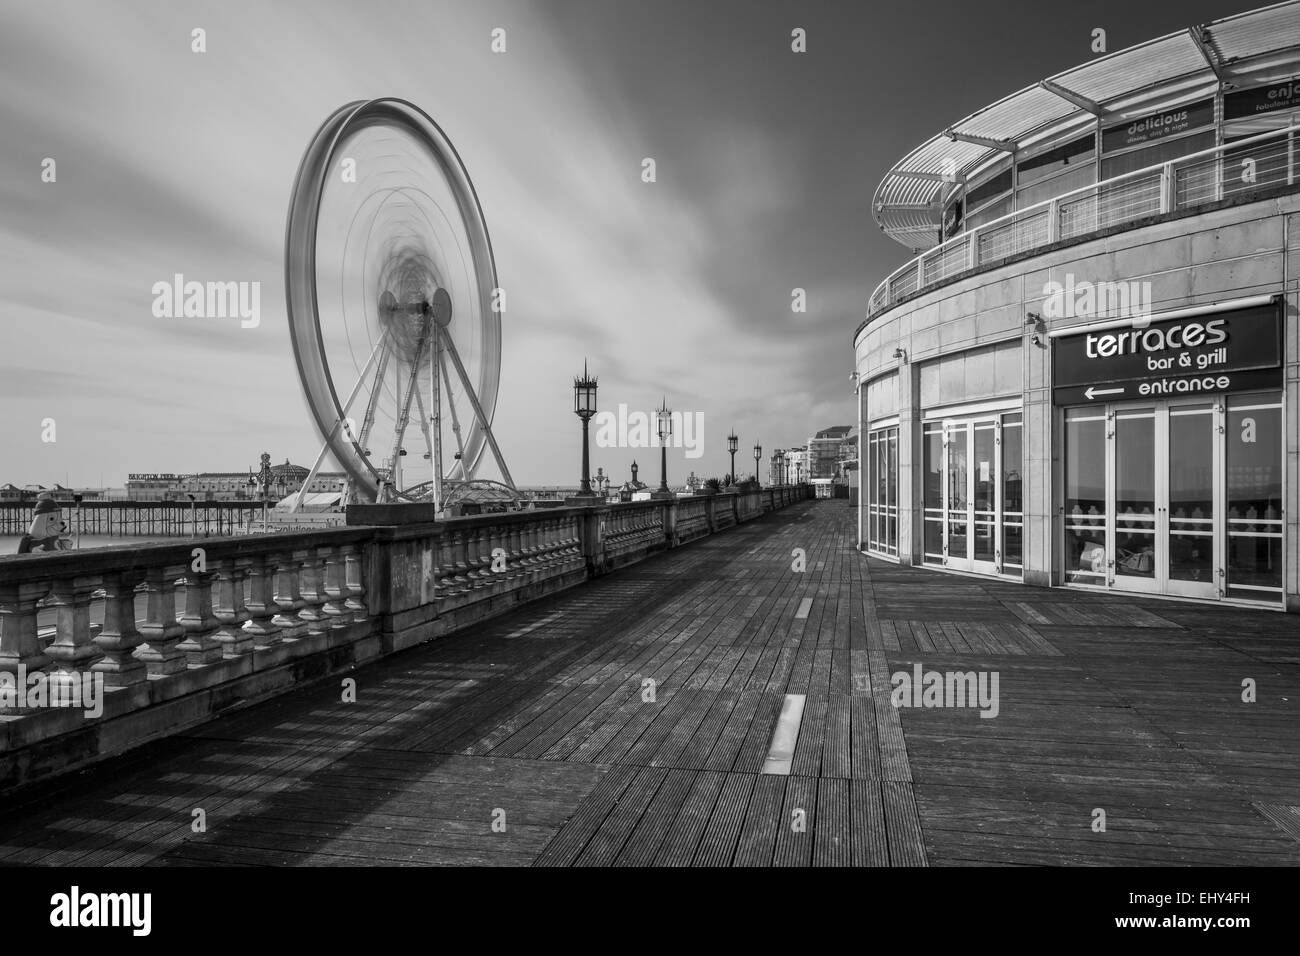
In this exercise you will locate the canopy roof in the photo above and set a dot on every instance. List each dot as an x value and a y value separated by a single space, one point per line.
1244 50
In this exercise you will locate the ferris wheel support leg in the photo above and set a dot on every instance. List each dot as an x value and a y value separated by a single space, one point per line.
430 443
478 412
404 418
435 398
455 423
339 423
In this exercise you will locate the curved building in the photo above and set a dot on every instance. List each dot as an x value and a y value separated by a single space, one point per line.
1088 373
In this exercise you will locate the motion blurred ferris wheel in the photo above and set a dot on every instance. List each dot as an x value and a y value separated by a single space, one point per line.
389 280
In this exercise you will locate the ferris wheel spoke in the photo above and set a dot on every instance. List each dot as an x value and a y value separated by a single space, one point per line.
459 472
404 418
372 403
340 420
424 422
478 412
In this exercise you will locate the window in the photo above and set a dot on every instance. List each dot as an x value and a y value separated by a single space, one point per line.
881 479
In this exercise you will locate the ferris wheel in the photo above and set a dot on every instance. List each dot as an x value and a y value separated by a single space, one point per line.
390 285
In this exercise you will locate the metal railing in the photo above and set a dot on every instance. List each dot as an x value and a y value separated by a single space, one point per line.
1249 165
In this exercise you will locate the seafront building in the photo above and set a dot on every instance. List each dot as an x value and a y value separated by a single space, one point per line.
1088 373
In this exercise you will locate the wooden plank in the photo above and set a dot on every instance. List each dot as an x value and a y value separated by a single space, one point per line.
687 830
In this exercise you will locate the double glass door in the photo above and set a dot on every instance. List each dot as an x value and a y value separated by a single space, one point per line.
974 517
1154 492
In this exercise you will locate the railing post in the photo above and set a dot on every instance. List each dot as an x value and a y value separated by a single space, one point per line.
313 592
161 631
198 620
1053 221
973 250
336 588
19 645
229 609
261 604
356 588
1167 187
72 650
288 599
118 638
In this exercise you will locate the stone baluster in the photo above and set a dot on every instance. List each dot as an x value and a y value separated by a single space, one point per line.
461 551
229 608
480 571
529 548
288 599
73 649
356 586
313 592
118 638
514 545
336 589
161 631
19 645
261 603
198 620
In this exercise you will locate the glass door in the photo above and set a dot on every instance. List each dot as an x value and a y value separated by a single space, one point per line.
1135 547
978 478
957 495
1192 512
1189 494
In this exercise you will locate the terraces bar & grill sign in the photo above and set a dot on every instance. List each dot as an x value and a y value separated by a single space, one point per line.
1206 353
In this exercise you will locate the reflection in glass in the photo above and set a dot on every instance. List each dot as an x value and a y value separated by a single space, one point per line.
1135 494
1253 452
1085 497
1013 515
1191 493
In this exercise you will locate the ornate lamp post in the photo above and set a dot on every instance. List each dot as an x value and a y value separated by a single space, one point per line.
665 434
584 406
758 454
263 478
732 442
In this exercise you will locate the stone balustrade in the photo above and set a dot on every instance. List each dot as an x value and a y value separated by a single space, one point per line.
173 634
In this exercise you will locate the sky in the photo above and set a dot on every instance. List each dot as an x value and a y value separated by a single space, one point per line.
171 161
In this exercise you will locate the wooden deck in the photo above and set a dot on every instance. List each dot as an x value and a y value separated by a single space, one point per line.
530 739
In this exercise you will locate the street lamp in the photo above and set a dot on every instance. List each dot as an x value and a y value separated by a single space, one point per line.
584 406
732 442
758 454
263 478
665 434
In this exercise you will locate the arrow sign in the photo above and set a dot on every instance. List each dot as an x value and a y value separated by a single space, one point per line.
1093 392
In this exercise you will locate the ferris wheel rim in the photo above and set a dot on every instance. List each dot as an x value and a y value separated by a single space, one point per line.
301 280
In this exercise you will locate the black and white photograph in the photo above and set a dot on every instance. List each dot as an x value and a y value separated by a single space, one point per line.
650 434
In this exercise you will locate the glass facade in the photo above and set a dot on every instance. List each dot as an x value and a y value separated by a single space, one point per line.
1179 497
881 479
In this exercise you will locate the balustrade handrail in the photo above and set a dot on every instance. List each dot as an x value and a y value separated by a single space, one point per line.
972 235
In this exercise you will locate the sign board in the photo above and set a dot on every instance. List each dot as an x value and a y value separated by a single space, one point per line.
1262 99
151 476
1158 126
1213 352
